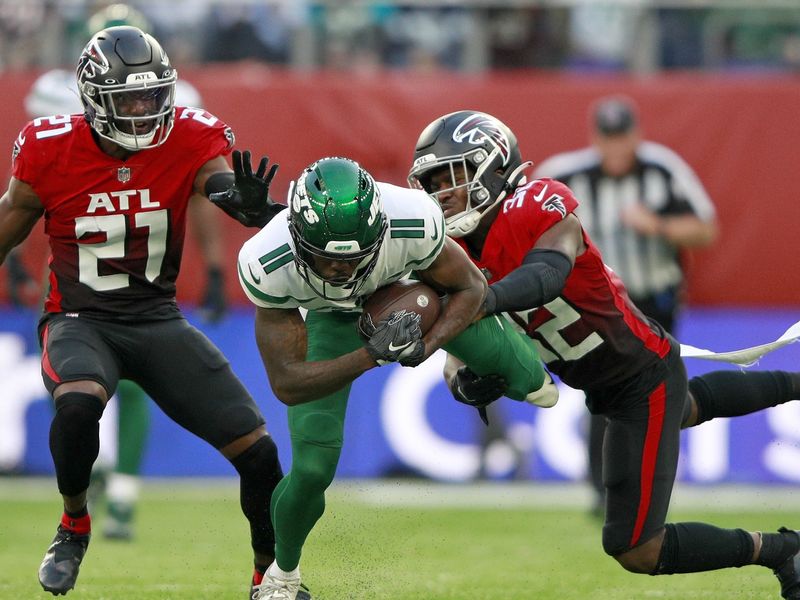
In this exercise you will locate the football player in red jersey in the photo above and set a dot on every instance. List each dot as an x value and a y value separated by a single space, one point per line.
113 185
545 271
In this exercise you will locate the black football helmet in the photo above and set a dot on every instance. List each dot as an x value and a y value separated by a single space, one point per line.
127 87
484 147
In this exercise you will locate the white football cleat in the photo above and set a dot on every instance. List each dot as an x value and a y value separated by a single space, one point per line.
546 396
272 588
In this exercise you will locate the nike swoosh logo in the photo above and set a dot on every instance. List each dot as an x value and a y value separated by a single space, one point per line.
538 197
253 275
435 235
393 348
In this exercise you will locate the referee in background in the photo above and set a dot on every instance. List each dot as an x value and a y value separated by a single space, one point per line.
642 205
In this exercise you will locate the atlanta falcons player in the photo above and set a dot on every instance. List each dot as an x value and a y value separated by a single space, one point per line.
113 184
546 272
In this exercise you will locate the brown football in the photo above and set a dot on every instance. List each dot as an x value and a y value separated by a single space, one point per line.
411 296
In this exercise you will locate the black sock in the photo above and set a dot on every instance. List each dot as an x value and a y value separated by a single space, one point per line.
77 514
736 393
777 547
696 547
795 380
259 473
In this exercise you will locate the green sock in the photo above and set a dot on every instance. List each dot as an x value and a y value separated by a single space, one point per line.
134 423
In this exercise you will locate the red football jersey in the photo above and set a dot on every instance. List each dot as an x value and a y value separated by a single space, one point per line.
116 228
592 335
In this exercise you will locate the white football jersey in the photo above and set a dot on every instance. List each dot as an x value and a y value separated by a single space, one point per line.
414 238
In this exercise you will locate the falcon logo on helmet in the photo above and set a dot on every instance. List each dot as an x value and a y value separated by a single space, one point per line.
479 128
93 62
481 150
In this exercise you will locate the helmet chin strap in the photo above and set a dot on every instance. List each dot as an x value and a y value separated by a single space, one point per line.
465 222
134 142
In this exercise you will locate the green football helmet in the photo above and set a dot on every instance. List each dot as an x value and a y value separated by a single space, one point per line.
335 213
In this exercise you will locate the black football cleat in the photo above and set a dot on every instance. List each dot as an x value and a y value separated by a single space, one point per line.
789 573
62 561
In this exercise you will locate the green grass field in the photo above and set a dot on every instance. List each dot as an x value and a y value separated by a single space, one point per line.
407 542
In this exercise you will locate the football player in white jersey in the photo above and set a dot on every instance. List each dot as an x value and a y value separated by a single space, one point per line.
343 237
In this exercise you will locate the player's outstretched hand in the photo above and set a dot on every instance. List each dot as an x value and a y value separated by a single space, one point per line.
398 338
471 389
247 200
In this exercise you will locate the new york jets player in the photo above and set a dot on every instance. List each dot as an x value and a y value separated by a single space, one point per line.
344 236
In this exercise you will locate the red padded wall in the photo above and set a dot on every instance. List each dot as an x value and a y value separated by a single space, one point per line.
739 133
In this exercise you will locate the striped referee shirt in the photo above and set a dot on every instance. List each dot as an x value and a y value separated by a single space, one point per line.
662 181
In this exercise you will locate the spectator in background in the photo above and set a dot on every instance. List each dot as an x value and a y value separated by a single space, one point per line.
604 36
642 205
681 35
426 38
526 37
56 93
350 35
238 31
18 25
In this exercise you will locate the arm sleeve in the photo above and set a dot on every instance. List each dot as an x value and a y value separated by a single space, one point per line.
538 280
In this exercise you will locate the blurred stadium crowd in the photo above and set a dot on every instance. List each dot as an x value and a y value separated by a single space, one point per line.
472 35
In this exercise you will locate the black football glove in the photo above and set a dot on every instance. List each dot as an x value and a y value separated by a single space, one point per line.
247 200
471 389
214 306
398 338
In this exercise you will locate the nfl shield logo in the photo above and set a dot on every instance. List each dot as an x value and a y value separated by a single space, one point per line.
123 174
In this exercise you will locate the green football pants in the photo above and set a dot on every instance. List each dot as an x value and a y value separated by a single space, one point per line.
134 423
317 428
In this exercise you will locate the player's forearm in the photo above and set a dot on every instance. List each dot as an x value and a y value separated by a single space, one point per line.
538 280
303 382
20 209
457 314
11 235
207 230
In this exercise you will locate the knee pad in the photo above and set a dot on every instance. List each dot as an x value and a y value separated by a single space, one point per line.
79 403
258 459
75 440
